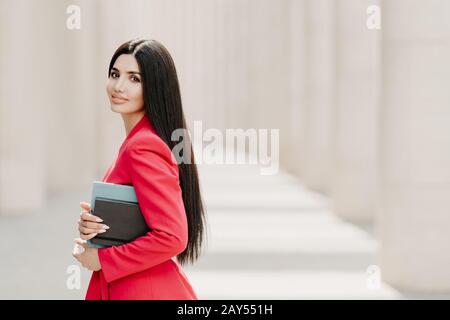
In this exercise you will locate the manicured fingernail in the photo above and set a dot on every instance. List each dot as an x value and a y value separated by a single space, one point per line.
99 220
105 227
101 231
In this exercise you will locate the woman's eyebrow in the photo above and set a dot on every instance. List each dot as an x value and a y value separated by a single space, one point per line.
130 72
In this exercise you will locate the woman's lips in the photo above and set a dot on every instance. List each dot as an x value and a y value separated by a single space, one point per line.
118 100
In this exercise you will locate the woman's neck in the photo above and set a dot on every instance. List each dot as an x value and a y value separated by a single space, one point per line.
131 119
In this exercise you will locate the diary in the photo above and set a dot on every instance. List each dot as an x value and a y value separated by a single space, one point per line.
118 207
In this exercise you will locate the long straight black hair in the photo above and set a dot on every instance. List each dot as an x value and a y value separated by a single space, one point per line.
162 104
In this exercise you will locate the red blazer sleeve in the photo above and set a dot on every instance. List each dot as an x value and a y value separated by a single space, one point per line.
154 175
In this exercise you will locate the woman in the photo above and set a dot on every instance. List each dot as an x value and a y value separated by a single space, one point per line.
143 87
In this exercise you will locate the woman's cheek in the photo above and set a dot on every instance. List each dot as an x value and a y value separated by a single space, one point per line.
137 99
108 86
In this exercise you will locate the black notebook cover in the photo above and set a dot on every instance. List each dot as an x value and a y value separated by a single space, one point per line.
124 219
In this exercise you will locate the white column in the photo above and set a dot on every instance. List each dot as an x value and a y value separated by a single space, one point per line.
414 219
296 123
190 62
72 115
241 78
269 60
354 182
208 63
220 66
23 110
321 93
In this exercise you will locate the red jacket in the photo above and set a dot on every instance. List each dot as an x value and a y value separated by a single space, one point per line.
146 268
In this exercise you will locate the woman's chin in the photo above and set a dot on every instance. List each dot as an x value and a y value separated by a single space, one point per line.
117 108
121 108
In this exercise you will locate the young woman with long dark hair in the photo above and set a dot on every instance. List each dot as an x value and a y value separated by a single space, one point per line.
143 87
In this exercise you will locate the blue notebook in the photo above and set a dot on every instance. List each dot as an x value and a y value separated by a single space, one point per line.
112 191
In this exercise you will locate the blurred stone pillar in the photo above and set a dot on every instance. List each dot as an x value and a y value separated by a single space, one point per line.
221 88
269 61
73 124
295 157
23 110
320 86
203 69
236 71
241 32
354 179
209 88
192 111
414 219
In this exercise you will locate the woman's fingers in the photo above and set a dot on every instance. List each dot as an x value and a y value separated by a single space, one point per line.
89 225
85 206
92 225
88 231
89 217
87 237
85 231
81 243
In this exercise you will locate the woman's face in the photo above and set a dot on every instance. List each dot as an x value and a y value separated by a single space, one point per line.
124 85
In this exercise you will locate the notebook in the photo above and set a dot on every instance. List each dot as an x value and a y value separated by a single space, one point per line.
118 206
124 219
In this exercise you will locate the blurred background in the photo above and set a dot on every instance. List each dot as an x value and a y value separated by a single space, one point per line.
358 90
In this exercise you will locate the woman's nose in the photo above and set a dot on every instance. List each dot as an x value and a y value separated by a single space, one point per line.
119 85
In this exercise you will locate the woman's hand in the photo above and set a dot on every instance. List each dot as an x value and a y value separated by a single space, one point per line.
89 257
89 225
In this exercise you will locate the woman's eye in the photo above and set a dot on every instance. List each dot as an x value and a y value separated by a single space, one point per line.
113 74
134 78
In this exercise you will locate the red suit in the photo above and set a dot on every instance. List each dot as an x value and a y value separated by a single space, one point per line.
146 268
